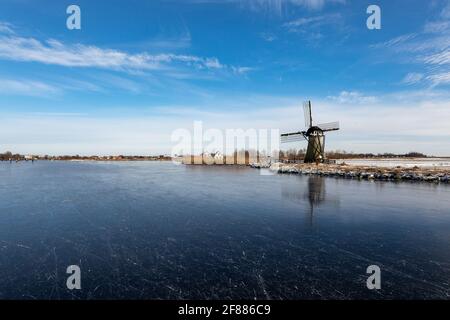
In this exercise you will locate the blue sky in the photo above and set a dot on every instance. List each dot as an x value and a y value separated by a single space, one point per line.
137 70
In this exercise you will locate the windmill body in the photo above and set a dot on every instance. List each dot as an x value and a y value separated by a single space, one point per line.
316 145
314 134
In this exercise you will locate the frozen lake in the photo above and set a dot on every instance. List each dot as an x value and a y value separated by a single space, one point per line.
150 230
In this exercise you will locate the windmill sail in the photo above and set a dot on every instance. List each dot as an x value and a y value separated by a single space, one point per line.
307 113
330 126
292 137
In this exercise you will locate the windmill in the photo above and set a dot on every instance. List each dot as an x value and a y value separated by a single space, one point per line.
314 134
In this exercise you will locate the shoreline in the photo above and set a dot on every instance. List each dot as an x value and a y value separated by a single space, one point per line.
87 160
397 174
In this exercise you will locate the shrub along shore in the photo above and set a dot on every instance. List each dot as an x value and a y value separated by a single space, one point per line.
436 175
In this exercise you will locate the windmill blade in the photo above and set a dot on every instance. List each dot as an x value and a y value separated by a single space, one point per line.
290 140
292 137
330 126
301 133
307 113
297 137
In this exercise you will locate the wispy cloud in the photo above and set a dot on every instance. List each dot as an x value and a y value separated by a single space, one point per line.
412 78
428 49
118 82
242 70
436 26
268 36
439 58
79 55
394 42
54 52
439 78
275 7
312 22
6 27
27 87
442 23
142 69
315 4
166 42
445 13
314 28
346 97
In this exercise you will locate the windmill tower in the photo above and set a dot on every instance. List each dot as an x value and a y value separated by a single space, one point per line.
314 134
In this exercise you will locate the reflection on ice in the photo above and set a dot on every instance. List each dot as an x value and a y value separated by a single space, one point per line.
311 196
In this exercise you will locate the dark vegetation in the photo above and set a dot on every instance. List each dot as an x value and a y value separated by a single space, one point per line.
294 154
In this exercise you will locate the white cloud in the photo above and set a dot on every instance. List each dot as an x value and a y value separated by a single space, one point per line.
213 63
315 4
78 55
278 5
115 82
353 97
26 87
394 42
316 21
310 28
267 36
439 58
6 27
412 78
275 7
303 21
436 26
442 24
440 78
242 70
445 13
308 4
166 42
154 68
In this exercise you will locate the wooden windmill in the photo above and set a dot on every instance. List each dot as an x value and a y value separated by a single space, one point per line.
314 134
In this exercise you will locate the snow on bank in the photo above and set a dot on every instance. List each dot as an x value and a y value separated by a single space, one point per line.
428 174
404 163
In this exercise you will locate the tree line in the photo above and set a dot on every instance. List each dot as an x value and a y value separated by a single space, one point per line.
299 154
8 155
